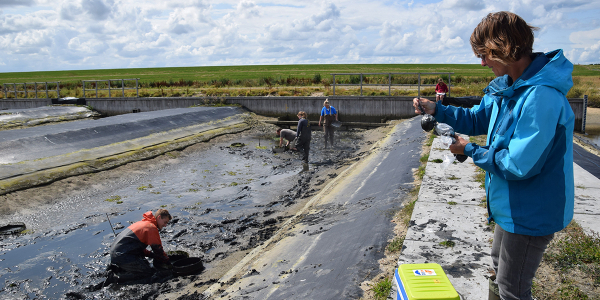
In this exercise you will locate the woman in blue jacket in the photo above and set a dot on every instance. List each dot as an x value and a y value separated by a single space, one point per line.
528 158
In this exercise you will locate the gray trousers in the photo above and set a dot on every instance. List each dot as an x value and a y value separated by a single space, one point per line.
516 258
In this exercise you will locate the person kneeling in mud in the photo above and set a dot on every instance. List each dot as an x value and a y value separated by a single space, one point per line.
129 251
289 136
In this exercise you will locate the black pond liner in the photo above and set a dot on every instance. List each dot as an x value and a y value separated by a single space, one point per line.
237 145
187 266
12 228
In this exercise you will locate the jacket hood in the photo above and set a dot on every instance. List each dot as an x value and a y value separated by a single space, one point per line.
149 217
551 69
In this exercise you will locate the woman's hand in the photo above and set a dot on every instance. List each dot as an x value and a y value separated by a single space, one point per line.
459 146
428 106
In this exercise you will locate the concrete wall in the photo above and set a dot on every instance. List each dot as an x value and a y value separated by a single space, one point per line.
351 109
24 103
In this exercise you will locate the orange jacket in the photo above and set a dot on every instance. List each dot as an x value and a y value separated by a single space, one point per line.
134 240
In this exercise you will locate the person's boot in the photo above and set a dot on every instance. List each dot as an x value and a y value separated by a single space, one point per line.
494 293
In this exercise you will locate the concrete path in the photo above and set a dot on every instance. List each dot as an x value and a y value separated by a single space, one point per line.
450 208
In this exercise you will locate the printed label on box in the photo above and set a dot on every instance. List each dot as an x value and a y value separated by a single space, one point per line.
424 272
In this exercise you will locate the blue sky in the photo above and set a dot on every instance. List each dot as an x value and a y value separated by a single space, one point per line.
46 35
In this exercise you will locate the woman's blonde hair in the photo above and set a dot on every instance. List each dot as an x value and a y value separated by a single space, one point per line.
303 115
440 80
503 37
326 102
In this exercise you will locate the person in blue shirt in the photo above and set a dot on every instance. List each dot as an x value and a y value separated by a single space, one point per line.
303 135
328 113
528 157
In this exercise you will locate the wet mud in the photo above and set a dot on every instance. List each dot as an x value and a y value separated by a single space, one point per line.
225 198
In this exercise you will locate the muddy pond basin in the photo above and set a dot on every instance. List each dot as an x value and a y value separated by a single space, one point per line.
225 200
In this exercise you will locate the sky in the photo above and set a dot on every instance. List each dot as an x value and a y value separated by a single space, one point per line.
48 35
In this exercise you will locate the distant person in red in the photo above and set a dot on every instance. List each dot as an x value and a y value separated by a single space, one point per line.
440 90
129 250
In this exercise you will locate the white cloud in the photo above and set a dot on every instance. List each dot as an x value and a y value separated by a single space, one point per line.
247 9
585 39
586 46
97 9
83 34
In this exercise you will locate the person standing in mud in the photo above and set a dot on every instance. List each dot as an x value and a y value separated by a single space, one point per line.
128 251
329 114
288 135
528 157
303 135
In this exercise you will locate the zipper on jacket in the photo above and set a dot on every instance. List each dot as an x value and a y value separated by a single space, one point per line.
487 199
496 125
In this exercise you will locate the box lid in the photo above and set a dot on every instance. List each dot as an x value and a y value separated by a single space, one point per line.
426 282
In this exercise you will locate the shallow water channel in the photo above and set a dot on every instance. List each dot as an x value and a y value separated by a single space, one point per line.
223 199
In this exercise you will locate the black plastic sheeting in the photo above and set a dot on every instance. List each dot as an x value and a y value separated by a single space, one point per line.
588 161
466 102
51 140
69 100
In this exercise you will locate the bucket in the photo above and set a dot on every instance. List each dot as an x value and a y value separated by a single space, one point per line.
187 266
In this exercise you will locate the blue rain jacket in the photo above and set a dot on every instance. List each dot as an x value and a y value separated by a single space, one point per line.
528 158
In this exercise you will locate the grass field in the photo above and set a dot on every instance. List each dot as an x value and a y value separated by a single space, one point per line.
280 80
205 74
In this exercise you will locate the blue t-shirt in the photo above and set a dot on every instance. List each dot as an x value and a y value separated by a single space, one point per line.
330 111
